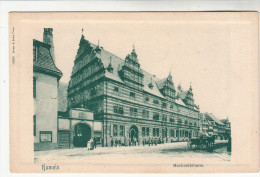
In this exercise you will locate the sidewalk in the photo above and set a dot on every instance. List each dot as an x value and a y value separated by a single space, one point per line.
104 150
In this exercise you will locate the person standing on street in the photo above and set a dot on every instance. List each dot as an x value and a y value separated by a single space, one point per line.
116 142
112 142
95 142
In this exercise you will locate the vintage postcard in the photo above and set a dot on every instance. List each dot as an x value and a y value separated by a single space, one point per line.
134 92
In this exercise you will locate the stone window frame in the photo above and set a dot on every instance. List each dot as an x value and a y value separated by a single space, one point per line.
121 131
116 89
115 130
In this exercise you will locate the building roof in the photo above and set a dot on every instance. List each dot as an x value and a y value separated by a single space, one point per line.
110 60
214 118
117 64
44 62
225 121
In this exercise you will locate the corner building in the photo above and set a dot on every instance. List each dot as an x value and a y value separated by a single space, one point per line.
128 101
46 78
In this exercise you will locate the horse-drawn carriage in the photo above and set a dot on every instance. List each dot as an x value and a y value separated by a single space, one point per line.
202 142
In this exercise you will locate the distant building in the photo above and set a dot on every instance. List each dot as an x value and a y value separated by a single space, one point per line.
128 101
213 126
46 78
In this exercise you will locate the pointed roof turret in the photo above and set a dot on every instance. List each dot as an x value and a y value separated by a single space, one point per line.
133 55
179 86
190 89
170 74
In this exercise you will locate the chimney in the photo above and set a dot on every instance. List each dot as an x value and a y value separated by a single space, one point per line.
48 39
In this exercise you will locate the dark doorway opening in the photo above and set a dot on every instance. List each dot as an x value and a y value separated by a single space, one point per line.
133 133
82 134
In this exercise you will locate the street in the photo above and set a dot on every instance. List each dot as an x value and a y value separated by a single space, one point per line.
162 153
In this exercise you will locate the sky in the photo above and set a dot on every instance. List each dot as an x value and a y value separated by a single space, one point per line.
195 53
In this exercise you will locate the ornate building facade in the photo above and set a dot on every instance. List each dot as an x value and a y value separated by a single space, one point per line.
128 101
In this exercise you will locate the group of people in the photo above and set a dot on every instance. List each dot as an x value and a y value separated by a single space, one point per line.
134 142
125 142
152 141
92 143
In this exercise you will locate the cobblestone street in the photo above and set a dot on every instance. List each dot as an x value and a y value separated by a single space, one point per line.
164 153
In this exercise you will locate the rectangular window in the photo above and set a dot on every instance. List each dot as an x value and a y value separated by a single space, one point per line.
116 109
121 109
164 118
164 105
172 133
147 131
116 89
154 131
34 125
114 130
122 130
155 116
145 114
34 87
157 132
132 95
143 131
45 136
133 111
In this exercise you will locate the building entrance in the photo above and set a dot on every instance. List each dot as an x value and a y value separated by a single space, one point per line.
82 134
133 133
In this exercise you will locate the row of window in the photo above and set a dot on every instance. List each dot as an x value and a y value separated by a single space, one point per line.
119 109
132 96
173 133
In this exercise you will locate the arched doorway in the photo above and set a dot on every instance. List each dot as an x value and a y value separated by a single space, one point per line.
133 132
82 134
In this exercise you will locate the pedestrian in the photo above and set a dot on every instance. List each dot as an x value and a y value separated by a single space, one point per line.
152 141
112 142
119 143
95 142
102 141
129 141
143 141
149 141
116 142
155 142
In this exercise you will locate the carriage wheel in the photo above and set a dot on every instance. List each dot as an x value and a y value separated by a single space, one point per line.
204 145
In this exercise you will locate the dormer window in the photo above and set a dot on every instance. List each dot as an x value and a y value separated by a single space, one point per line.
164 105
116 89
155 101
109 67
132 95
150 86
